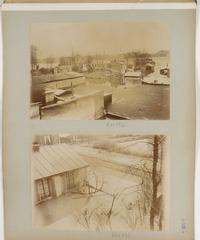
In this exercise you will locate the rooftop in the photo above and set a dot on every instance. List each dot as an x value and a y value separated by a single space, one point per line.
45 78
54 159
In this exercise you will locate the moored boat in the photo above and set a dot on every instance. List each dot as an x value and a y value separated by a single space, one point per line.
155 79
135 75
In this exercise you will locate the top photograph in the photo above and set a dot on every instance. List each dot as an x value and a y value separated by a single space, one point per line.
100 71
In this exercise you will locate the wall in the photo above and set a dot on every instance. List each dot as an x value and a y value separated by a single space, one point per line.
57 184
35 111
65 83
83 108
99 105
81 178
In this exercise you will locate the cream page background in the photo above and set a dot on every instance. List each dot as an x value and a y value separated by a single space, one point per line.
19 129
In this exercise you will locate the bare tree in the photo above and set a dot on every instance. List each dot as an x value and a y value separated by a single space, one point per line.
85 217
151 198
147 199
156 205
108 212
131 214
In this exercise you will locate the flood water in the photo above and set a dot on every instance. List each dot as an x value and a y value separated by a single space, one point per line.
59 213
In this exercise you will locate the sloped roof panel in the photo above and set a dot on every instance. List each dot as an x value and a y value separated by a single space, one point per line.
55 159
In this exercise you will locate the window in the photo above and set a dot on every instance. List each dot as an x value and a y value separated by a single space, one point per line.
70 180
43 189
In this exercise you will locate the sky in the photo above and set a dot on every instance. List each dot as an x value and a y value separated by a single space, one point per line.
60 39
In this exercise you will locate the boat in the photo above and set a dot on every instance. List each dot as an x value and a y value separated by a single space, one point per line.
135 75
155 79
165 71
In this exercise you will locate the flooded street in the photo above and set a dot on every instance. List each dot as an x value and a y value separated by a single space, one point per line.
60 213
99 182
114 182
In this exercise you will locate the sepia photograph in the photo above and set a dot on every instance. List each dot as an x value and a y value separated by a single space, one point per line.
99 182
100 71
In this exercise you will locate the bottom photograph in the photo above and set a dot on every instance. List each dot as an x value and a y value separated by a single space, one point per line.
99 182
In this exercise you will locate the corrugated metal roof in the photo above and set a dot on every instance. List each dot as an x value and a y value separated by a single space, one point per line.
55 159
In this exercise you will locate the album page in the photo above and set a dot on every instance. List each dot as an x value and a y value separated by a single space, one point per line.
99 124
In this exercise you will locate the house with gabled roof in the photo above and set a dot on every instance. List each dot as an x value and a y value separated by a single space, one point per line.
57 170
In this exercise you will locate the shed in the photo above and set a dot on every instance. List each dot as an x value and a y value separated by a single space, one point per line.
57 170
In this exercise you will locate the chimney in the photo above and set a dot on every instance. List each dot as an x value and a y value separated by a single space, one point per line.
36 147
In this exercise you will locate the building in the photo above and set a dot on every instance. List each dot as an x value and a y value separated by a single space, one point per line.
58 80
57 170
87 106
35 111
44 86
